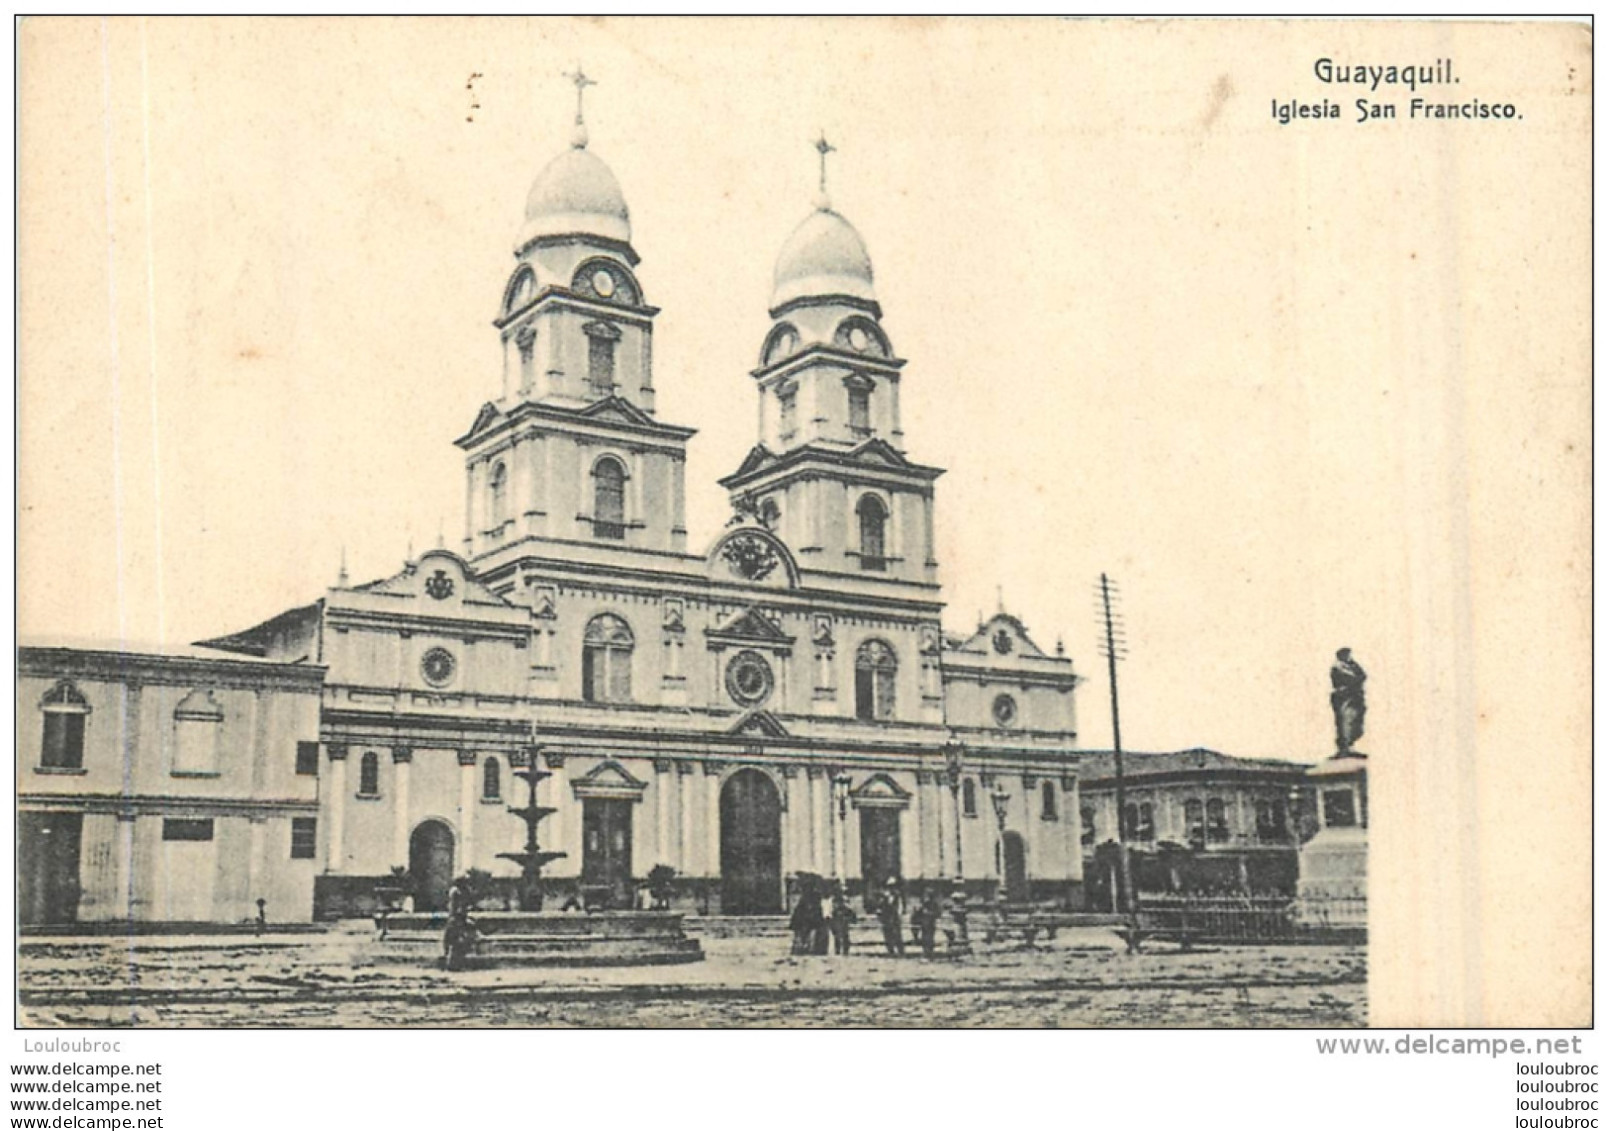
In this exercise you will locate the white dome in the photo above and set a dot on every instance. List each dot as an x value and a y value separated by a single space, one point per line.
824 256
576 195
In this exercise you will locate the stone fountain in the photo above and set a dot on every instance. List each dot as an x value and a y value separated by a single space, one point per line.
532 937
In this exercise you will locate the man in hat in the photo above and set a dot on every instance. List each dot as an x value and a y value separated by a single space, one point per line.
890 913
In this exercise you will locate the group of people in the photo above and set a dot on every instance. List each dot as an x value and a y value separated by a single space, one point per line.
823 917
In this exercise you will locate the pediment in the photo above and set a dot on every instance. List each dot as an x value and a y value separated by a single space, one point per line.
878 452
609 780
750 626
880 791
618 410
484 419
442 579
761 724
1002 636
760 456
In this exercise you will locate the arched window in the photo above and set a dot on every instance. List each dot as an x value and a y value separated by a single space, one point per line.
521 289
1216 821
873 521
875 669
608 499
498 491
968 797
1047 809
368 775
491 781
606 660
65 711
1195 823
197 725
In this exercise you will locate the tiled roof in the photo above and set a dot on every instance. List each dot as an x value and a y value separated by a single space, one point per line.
1097 764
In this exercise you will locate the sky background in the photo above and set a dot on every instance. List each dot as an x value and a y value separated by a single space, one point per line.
1150 331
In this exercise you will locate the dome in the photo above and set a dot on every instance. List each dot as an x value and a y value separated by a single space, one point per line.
576 195
823 256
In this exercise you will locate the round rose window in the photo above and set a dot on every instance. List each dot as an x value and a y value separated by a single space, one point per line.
748 679
438 666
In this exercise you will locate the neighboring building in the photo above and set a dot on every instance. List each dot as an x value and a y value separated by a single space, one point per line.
1196 821
172 788
776 702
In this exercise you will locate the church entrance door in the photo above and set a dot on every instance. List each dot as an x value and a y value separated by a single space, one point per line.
750 845
430 865
1015 869
879 846
606 848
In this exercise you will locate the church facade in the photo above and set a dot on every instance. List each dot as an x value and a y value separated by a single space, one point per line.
779 699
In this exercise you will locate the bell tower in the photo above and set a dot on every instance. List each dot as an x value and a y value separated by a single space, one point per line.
572 450
829 471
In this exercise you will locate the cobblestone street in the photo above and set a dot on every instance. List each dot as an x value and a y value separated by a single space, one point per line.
344 979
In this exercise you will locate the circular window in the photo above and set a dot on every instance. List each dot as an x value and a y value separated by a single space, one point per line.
438 667
858 338
1004 710
603 283
748 679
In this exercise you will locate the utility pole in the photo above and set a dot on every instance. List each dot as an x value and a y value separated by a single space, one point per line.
1113 647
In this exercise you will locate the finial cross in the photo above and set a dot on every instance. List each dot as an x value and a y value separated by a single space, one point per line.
823 147
578 77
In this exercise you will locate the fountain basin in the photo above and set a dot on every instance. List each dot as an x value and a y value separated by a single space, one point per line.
524 938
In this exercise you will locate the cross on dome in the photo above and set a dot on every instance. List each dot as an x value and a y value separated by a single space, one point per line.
579 77
823 147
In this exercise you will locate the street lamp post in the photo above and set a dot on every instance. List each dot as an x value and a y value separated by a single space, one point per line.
959 940
1001 800
840 793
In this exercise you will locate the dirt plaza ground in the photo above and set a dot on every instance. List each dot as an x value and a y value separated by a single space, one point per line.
344 979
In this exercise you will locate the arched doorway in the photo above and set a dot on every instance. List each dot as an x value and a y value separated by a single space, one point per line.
430 865
1015 869
750 845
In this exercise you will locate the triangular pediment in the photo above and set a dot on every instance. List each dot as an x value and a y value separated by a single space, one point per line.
759 457
880 790
877 451
752 625
761 724
617 409
484 419
609 780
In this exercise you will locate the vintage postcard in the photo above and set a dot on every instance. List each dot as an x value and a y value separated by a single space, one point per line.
873 523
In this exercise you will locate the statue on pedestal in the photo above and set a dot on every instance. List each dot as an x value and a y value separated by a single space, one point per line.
1346 678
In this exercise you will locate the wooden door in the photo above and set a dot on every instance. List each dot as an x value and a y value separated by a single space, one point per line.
606 847
430 865
879 846
750 845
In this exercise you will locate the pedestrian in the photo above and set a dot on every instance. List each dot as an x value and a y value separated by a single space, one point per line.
842 918
458 939
262 916
890 913
808 918
925 921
